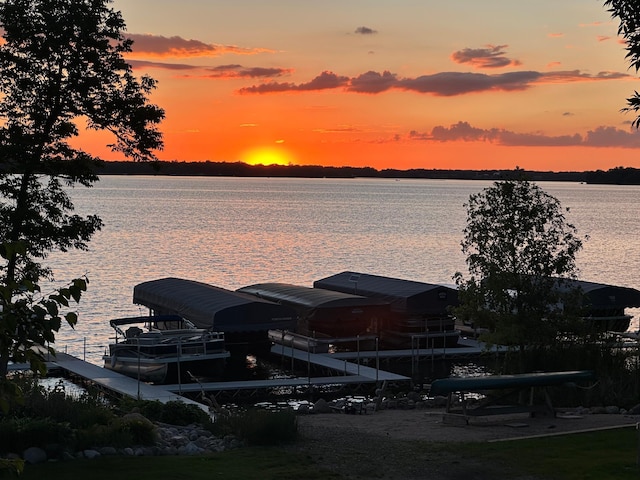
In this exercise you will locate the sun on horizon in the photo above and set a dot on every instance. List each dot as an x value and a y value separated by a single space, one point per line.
268 156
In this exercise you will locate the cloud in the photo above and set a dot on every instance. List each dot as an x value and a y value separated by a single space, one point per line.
462 131
338 129
372 82
324 81
555 35
159 46
449 84
492 56
220 71
443 84
161 65
603 38
365 31
612 137
238 71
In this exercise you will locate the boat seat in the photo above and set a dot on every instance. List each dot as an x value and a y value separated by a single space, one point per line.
133 332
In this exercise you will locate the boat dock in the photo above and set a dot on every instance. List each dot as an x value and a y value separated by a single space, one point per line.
115 382
343 373
343 368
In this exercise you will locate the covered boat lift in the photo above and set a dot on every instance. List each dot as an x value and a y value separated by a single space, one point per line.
334 314
419 309
605 304
242 317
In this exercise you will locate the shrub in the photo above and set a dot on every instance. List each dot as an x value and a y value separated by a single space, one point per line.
259 427
17 434
103 436
131 429
11 467
173 412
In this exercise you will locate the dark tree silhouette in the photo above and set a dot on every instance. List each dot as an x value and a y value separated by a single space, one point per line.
62 69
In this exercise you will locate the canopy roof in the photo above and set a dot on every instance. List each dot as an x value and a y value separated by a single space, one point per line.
312 298
405 296
602 296
207 306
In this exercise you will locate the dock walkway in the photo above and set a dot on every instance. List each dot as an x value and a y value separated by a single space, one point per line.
466 348
347 373
118 383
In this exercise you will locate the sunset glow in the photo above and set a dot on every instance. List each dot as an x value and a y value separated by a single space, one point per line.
396 85
267 156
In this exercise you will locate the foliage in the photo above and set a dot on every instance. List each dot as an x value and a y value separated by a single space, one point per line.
11 467
628 12
40 417
259 427
83 411
120 433
18 434
62 66
520 251
173 412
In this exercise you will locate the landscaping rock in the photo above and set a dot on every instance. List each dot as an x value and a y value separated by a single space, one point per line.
321 406
91 454
34 455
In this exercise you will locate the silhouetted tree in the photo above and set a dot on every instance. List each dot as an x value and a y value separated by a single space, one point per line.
518 248
61 67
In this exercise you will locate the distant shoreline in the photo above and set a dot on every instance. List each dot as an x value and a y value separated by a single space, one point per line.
615 176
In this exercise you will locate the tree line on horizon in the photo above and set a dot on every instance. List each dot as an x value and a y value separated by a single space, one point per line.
614 176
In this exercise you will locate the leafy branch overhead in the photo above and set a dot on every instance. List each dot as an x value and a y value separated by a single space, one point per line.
628 12
63 69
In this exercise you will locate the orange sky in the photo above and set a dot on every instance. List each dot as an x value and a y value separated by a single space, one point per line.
402 84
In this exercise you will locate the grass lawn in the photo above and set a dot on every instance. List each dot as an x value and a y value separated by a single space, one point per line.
609 454
245 464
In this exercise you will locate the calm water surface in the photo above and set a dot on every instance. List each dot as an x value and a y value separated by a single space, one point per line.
233 232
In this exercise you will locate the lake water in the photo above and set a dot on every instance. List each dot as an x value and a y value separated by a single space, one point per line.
233 232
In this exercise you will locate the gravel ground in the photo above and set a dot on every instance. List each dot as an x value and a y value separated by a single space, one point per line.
383 445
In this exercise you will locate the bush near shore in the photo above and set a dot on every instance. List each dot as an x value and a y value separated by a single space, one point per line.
45 424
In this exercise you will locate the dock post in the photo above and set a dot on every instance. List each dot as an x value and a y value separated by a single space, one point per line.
358 358
138 342
308 360
377 360
638 430
179 370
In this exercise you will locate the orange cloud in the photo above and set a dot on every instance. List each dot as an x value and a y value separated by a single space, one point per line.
178 47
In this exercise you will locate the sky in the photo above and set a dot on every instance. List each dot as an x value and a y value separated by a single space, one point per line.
462 84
